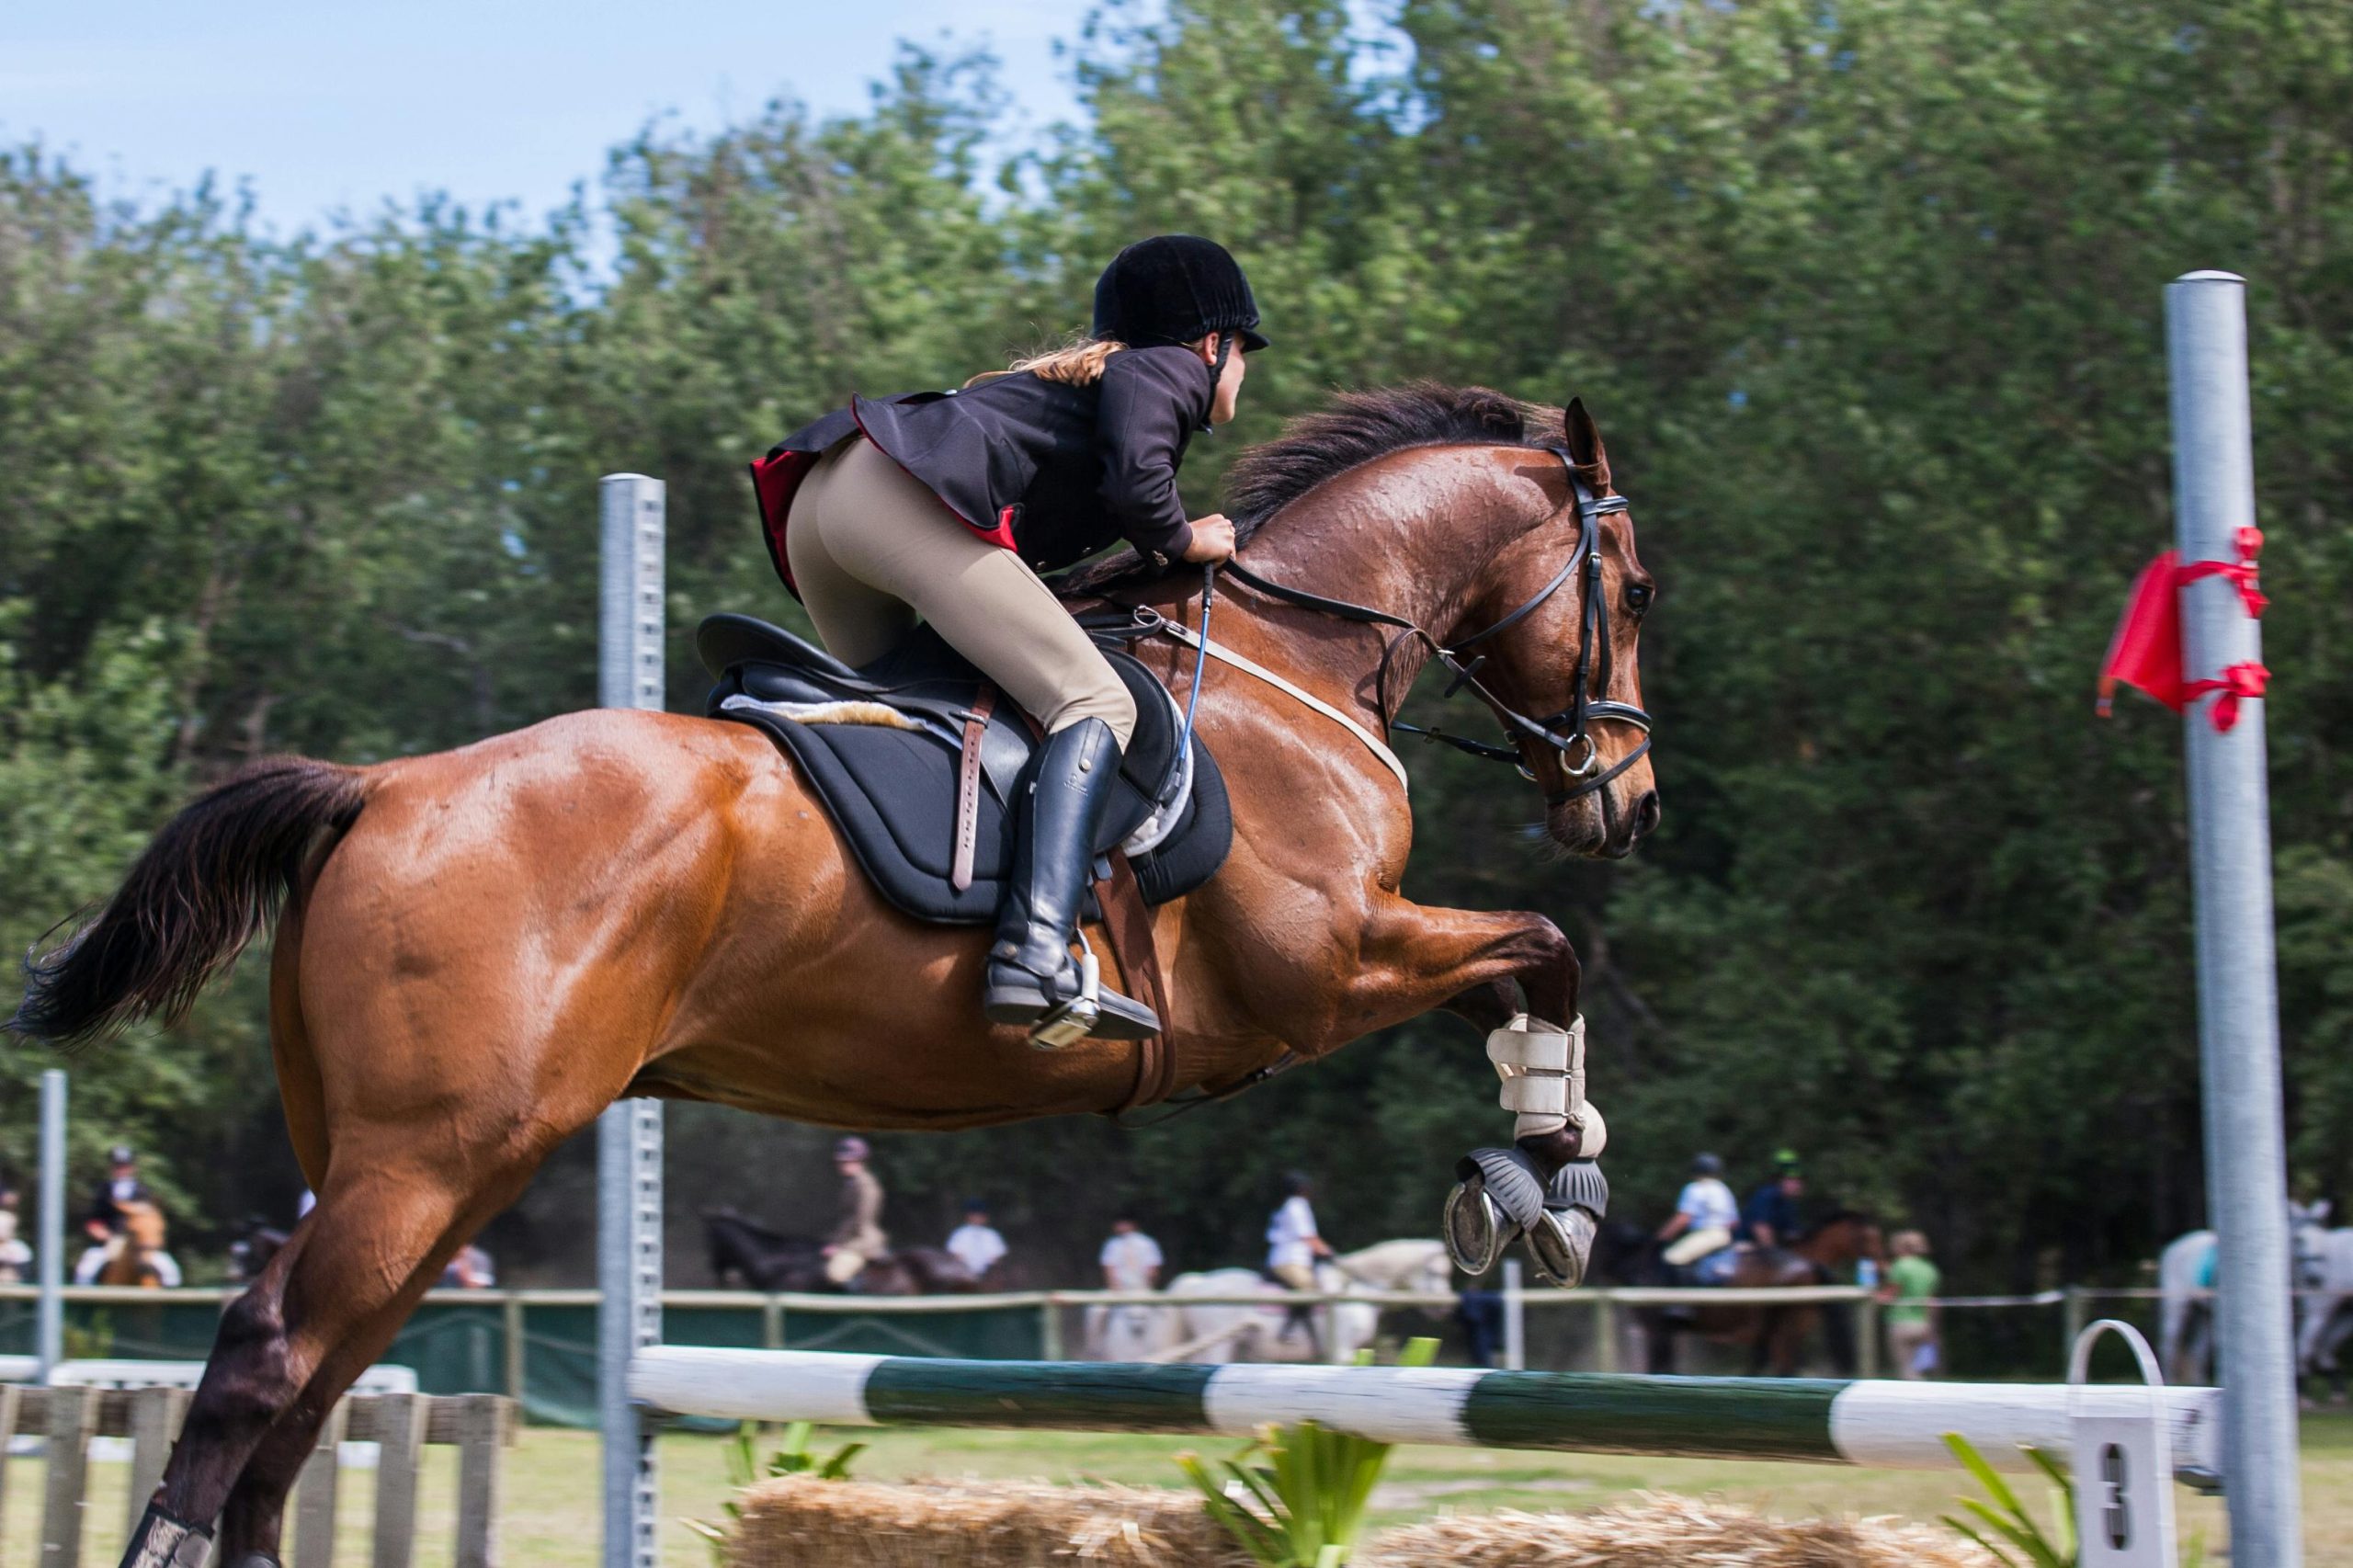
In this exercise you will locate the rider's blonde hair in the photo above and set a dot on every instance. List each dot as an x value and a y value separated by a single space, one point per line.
1080 364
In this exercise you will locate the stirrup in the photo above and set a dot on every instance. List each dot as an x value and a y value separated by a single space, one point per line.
1074 1021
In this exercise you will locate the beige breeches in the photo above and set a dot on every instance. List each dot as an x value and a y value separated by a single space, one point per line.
1903 1342
845 1265
871 550
1693 1246
1297 1276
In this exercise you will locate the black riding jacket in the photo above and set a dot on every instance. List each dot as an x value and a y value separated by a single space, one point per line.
1048 470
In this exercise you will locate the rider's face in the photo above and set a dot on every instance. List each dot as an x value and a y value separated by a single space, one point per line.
1229 382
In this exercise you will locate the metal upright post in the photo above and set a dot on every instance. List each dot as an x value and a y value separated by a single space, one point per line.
628 1135
1515 1295
49 1342
2230 843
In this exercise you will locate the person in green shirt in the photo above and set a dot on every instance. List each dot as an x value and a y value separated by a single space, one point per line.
1908 1295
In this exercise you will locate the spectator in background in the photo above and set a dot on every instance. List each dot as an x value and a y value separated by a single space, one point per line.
121 1185
471 1271
15 1257
1912 1320
1131 1259
1770 1216
975 1244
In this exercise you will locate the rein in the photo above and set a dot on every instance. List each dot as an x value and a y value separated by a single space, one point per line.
1566 731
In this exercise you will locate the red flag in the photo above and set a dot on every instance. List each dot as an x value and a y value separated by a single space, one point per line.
2147 650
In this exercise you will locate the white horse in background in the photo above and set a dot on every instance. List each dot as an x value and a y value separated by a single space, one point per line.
2326 1321
2185 1280
1216 1331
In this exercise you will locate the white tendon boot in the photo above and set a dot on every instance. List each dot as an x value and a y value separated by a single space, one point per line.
1503 1193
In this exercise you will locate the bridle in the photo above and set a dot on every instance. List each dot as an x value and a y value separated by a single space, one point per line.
1568 732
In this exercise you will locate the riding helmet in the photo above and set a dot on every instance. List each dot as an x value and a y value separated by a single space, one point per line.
1708 1164
1175 289
851 1148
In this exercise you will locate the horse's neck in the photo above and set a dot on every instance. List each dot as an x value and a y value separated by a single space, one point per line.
1389 1265
1832 1247
1415 543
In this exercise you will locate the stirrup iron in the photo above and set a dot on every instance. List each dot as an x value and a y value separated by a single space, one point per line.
1074 1021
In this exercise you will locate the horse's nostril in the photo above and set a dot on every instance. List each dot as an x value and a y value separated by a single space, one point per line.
1646 813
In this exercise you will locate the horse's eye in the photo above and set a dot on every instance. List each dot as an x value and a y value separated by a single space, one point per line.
1639 597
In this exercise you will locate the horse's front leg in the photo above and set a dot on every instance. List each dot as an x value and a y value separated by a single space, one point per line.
1546 1188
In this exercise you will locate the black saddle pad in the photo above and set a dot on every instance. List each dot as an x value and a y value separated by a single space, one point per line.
888 779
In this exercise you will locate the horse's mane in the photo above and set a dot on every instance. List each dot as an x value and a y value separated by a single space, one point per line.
1839 1216
1362 426
1357 428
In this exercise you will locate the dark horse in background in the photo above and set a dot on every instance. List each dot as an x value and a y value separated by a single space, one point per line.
1773 1336
478 950
768 1260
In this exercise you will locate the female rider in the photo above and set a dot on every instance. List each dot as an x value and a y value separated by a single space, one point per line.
947 506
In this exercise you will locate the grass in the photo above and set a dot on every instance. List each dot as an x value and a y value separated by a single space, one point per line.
550 1519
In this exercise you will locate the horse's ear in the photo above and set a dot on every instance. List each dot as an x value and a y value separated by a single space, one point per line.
1584 445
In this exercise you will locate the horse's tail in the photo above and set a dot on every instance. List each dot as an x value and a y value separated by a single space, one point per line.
193 900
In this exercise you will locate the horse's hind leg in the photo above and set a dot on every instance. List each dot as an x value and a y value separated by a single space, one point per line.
324 1310
406 1213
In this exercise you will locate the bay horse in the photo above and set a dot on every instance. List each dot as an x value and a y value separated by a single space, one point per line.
1774 1335
130 1255
477 951
769 1260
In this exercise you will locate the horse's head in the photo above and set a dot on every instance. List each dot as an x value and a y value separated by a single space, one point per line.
1565 608
1842 1238
2308 1242
143 1222
1621 1249
723 1234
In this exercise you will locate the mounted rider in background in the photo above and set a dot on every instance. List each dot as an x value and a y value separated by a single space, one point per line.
947 506
1294 1246
1705 1216
1770 1216
858 1238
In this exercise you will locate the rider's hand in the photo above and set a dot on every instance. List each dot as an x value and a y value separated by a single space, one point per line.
1213 539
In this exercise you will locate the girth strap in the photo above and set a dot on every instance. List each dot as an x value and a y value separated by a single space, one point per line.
1127 922
968 786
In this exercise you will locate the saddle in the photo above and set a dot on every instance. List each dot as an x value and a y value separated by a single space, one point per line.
917 760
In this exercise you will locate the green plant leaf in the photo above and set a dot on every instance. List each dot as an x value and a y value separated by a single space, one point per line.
2021 1532
1992 1551
1987 1477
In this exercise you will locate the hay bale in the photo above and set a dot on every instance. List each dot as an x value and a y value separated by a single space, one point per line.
1660 1529
798 1520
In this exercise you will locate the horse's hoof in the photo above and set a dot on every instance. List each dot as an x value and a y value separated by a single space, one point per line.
1476 1232
159 1540
1500 1195
1561 1243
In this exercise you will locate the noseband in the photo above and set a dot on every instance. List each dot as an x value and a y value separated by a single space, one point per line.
1568 731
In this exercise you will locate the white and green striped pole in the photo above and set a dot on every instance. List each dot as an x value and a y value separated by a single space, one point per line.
1898 1426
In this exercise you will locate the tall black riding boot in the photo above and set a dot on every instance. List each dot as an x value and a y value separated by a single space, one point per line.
1032 980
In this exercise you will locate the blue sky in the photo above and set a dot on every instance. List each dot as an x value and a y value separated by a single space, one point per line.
329 106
